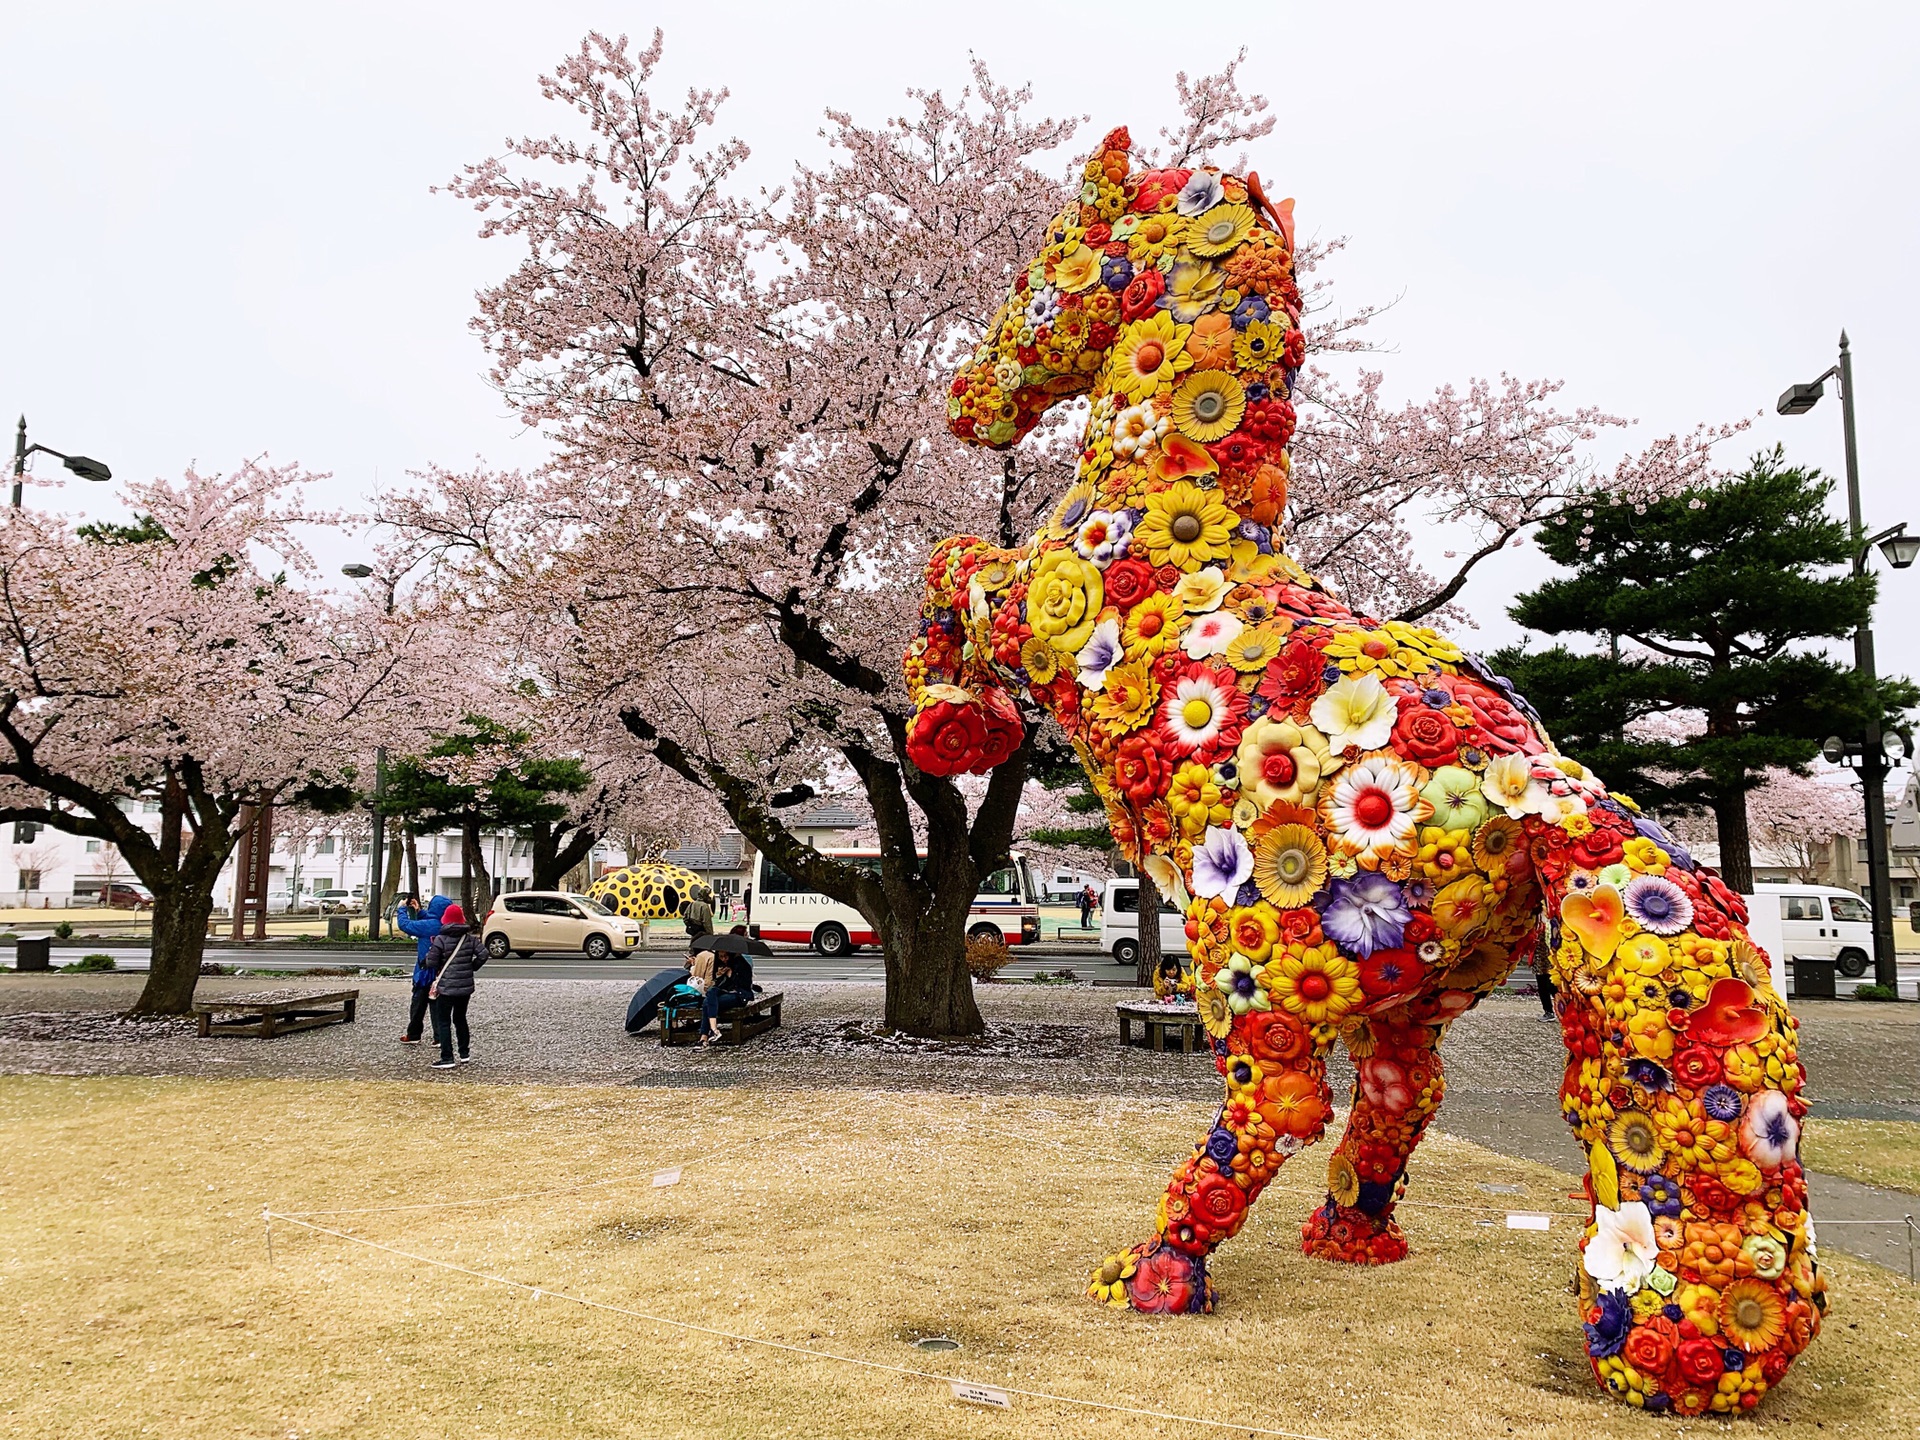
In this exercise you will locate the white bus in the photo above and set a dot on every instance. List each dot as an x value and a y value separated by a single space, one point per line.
783 908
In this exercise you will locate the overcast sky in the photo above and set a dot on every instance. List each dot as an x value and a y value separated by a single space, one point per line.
221 240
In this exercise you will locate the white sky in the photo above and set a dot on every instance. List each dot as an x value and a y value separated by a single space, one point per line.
220 239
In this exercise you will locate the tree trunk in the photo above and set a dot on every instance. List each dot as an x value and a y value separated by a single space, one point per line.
1148 963
1736 849
554 858
390 875
476 889
413 863
179 942
924 937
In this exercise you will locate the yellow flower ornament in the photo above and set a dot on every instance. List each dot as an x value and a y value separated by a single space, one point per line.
1063 599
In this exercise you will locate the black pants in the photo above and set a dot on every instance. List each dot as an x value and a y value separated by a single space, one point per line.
1544 978
417 1011
449 1020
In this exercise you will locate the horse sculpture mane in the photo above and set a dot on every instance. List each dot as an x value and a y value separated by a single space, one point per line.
1366 827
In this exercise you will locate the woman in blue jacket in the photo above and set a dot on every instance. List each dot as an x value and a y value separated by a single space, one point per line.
423 926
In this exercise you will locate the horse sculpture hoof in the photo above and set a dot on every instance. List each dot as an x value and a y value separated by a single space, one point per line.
1335 1232
1154 1278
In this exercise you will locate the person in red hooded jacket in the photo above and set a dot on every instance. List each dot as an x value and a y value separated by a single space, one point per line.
454 955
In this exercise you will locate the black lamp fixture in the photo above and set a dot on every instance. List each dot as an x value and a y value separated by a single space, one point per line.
85 466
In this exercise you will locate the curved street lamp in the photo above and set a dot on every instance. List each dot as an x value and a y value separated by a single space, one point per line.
1876 752
83 466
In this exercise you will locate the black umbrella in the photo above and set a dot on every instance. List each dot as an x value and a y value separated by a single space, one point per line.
729 945
646 1000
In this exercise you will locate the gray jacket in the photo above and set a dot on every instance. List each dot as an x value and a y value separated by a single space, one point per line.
453 955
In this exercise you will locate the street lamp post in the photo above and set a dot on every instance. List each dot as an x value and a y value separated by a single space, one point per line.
376 886
1900 550
81 465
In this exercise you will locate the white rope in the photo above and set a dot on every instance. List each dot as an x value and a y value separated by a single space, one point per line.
540 1292
619 1179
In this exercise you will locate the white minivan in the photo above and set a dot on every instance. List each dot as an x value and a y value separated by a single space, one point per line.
1824 922
1120 923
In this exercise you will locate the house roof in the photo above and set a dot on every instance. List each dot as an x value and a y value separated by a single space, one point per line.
724 854
826 816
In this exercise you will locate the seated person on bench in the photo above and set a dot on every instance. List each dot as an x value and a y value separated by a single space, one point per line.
732 985
1173 981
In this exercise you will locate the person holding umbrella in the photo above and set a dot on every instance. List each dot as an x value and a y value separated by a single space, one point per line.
732 975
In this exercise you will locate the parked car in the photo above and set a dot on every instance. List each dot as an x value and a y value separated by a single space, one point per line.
529 921
337 902
125 897
1824 922
1120 923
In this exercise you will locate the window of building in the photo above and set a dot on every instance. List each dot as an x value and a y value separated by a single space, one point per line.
29 880
325 847
25 831
93 847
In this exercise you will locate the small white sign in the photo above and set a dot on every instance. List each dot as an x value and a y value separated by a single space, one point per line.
667 1177
1519 1220
981 1394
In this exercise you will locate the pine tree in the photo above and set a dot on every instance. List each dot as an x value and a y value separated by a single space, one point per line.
1723 598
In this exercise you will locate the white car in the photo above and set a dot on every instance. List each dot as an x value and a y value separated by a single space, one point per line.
1824 922
1120 923
531 920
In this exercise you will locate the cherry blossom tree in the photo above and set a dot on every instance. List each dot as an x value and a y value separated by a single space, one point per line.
748 407
176 658
1797 819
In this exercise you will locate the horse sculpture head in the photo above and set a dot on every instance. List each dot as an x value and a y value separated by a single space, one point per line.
1167 296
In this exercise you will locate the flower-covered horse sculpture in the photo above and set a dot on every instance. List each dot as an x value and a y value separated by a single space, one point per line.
1366 826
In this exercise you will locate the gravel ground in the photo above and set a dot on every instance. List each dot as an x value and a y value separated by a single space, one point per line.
1042 1038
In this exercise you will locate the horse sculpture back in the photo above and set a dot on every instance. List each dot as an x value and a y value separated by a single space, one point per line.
1367 828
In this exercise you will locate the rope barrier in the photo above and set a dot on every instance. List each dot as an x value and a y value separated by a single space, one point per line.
540 1292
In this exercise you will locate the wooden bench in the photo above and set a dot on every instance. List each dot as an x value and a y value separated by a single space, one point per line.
680 1024
266 1018
1161 1024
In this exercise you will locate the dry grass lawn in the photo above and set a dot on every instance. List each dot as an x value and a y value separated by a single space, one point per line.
138 1298
1879 1152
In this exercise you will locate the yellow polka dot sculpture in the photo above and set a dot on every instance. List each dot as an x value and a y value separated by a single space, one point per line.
652 891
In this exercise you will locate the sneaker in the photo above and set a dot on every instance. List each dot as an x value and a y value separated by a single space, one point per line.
409 1039
445 1064
463 1059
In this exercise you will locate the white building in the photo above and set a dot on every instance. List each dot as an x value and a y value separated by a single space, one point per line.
51 869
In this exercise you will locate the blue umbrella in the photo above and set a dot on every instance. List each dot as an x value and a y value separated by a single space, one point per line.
646 1000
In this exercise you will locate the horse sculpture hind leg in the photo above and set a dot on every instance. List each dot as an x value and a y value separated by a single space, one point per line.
1364 823
1397 1088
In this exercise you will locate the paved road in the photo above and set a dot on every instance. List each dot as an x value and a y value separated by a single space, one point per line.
789 963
